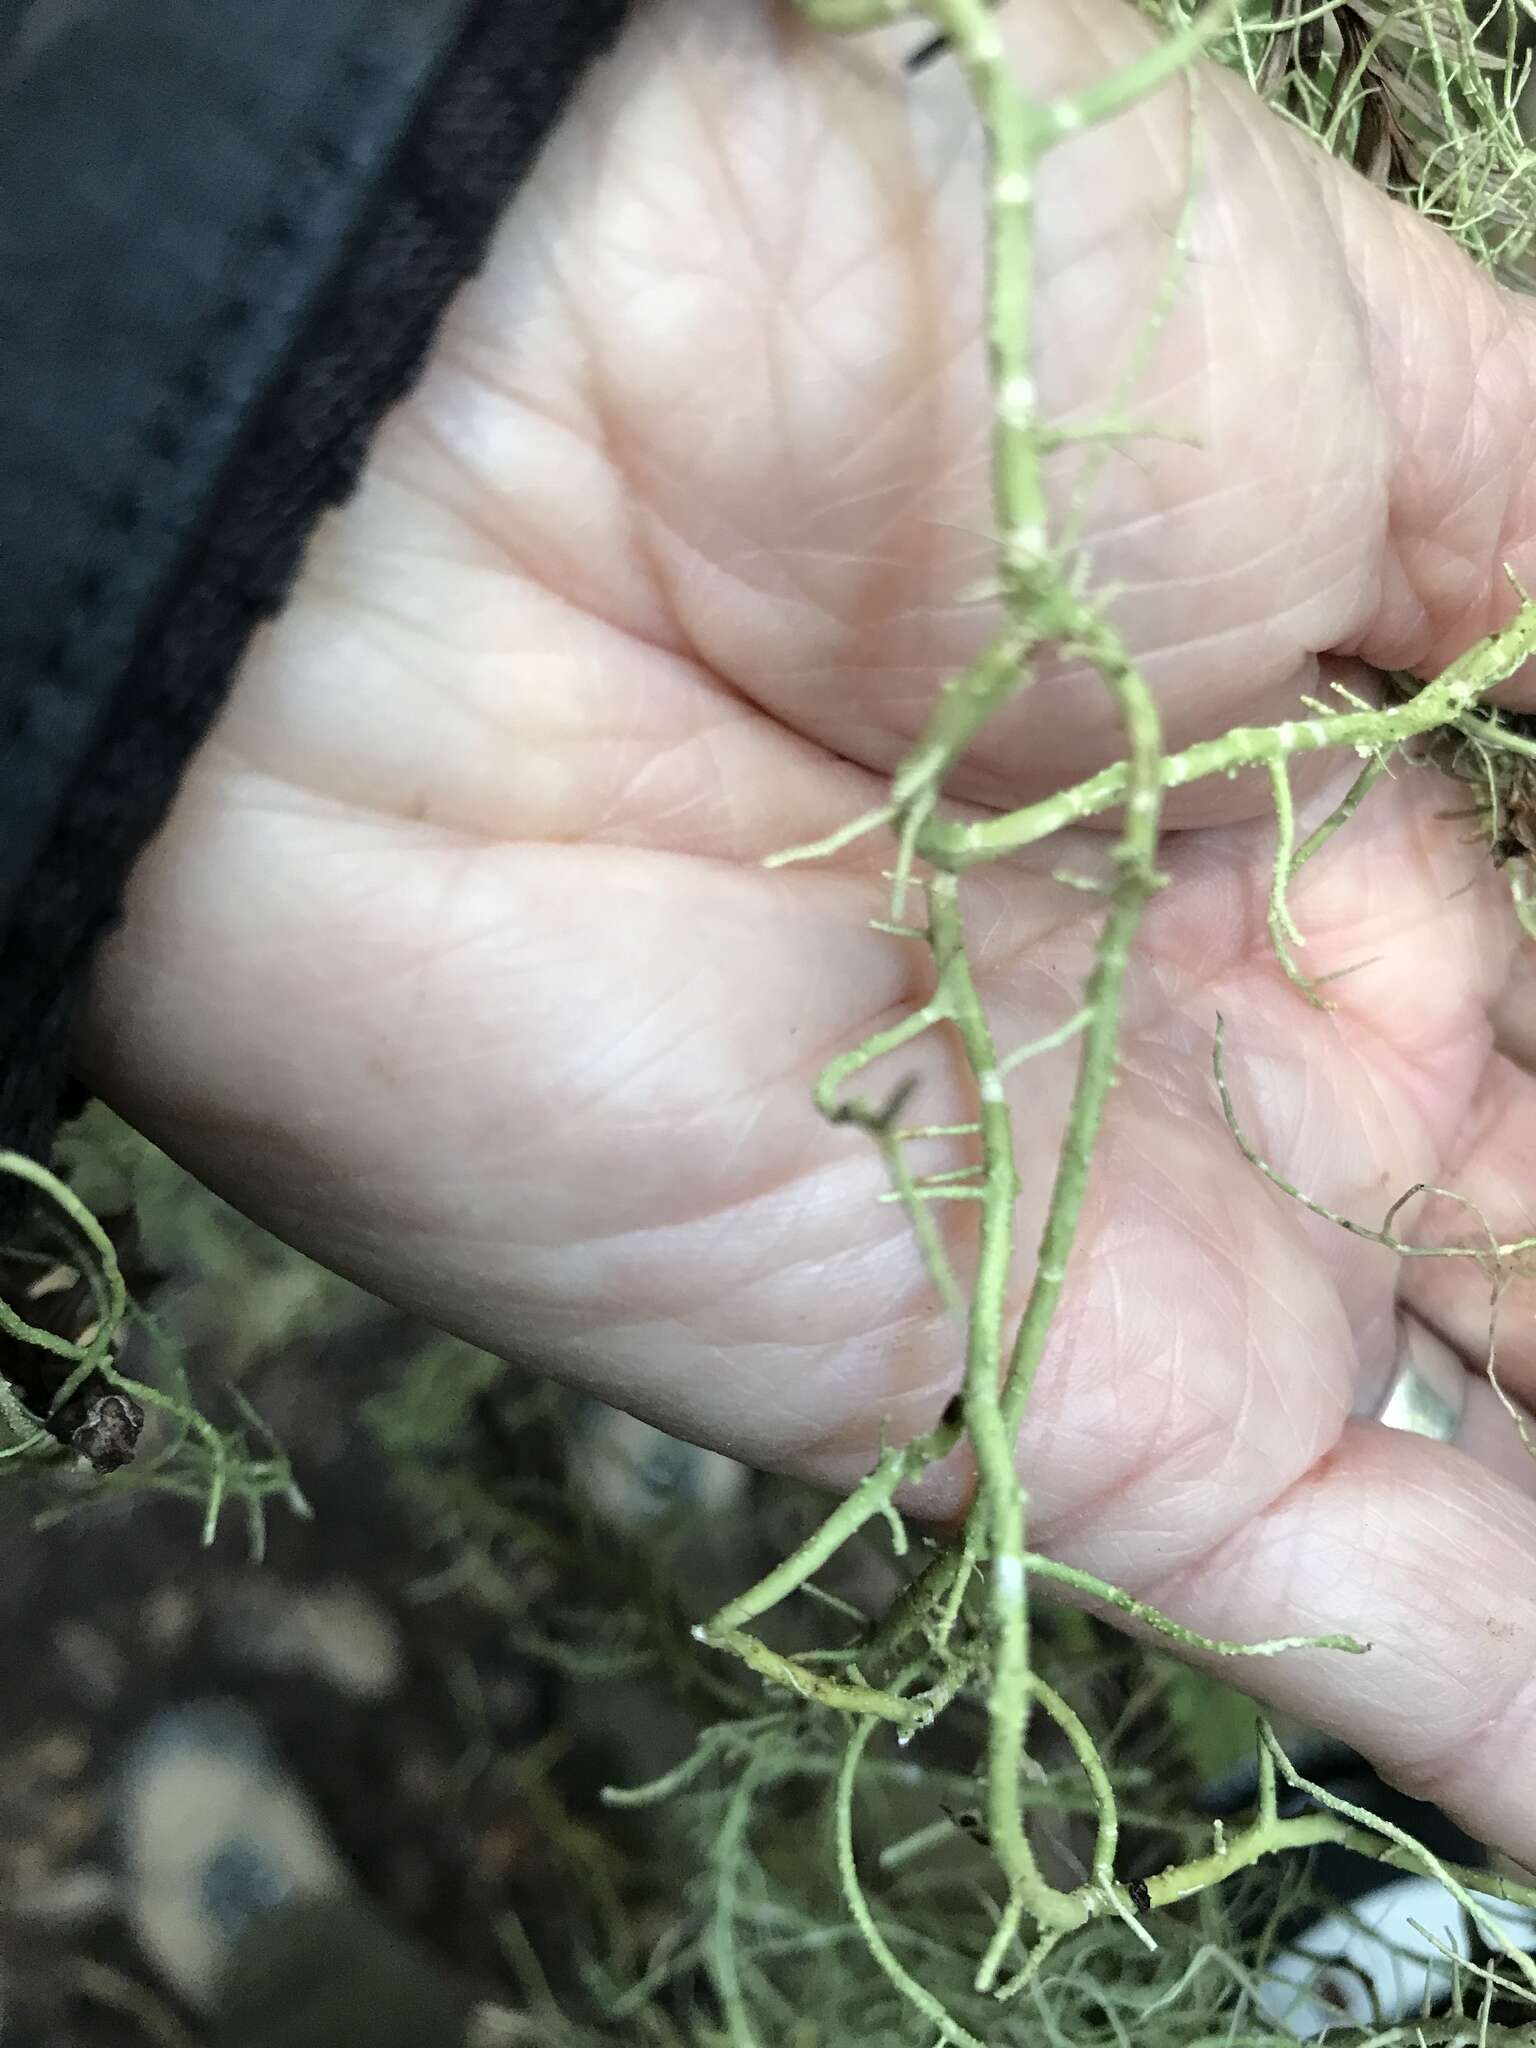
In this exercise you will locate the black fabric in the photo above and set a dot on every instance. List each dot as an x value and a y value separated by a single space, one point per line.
227 231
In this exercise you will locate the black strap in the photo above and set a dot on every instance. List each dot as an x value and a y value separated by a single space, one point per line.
228 229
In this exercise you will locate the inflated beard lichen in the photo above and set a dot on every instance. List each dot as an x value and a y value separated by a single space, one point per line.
1415 98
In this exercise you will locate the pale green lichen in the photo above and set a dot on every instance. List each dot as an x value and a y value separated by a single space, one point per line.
1415 101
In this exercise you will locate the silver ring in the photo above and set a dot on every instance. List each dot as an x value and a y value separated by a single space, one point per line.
1428 1394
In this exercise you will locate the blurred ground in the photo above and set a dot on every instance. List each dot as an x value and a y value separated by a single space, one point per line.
118 1611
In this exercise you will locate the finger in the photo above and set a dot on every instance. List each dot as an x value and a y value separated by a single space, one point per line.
1430 1387
1463 1298
1415 1549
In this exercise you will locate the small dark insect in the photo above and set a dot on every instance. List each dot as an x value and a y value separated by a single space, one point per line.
109 1436
969 1823
1141 1897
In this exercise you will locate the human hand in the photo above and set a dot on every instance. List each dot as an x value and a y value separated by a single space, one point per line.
457 966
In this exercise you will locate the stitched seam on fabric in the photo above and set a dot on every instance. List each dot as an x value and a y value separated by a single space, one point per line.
192 379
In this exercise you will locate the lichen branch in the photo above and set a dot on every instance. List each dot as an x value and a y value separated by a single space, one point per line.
966 1617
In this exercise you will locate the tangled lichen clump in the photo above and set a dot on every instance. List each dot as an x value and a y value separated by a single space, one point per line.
1426 97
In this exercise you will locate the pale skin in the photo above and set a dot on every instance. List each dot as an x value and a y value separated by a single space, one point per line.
456 963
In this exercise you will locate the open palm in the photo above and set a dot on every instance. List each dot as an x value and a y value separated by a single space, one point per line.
457 966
